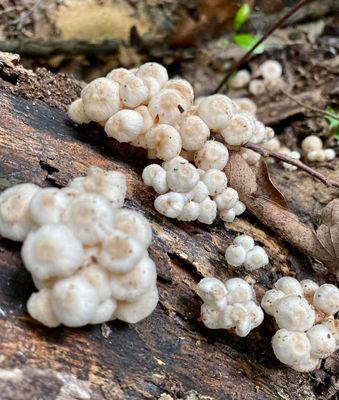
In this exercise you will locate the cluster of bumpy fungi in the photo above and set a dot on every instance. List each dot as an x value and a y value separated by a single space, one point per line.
145 108
87 255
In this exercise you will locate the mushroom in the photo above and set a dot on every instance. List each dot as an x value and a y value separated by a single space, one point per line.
226 199
326 299
200 192
289 285
208 211
240 79
153 70
309 288
239 130
271 70
291 347
269 300
257 87
125 125
210 316
165 140
216 111
250 156
256 258
213 292
215 181
239 291
190 212
311 143
97 276
76 112
104 312
119 75
194 132
170 204
182 178
15 217
149 173
227 215
133 92
148 120
183 87
39 306
235 255
213 155
246 104
323 343
244 241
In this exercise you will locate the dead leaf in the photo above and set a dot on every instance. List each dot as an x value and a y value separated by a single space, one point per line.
240 175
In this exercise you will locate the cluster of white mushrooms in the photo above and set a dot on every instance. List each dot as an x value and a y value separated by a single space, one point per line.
243 251
312 148
87 255
304 313
275 146
228 305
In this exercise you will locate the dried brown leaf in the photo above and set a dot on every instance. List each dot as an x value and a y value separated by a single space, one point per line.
240 175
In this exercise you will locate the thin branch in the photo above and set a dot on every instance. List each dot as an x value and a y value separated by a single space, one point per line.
308 107
246 56
292 161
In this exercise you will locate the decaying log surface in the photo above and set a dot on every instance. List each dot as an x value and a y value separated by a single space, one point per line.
169 352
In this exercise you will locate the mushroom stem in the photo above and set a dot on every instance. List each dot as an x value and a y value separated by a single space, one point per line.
293 161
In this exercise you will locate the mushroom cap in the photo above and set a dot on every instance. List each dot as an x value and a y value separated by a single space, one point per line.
120 253
309 288
239 207
235 255
245 241
208 211
241 319
256 258
160 182
125 125
213 292
269 300
239 129
294 313
291 347
323 343
153 70
213 155
246 104
183 87
330 154
257 87
104 312
227 215
149 173
47 206
174 162
259 132
194 132
15 218
119 74
52 250
216 111
210 316
74 301
148 120
255 312
135 225
101 99
326 299
250 156
139 280
311 143
40 308
76 112
316 155
333 325
272 144
98 278
190 212
182 178
165 140
200 192
90 216
227 199
308 365
289 285
239 291
170 204
133 92
140 308
240 79
153 87
215 180
271 70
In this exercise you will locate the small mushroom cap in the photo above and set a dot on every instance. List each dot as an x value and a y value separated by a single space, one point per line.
182 178
330 154
256 314
235 255
109 184
208 211
257 87
256 258
119 74
291 347
183 87
227 199
74 301
289 285
271 70
153 70
250 156
242 320
212 291
216 111
135 283
104 312
15 218
309 288
213 155
165 140
322 341
240 79
101 99
135 225
175 162
148 120
294 313
238 291
47 206
125 125
227 216
306 366
98 278
153 87
333 325
311 143
149 173
76 112
170 204
194 132
272 144
215 180
239 130
210 316
200 192
52 250
139 309
40 308
159 182
190 212
316 155
326 299
245 241
90 217
259 132
120 253
269 300
245 104
133 92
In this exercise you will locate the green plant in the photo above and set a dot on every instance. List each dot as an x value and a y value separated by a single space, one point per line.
333 122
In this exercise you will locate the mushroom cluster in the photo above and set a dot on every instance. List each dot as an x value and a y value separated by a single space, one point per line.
275 146
87 255
244 252
304 313
229 305
312 148
188 193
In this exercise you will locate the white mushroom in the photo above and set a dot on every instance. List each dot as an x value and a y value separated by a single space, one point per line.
246 104
153 70
190 212
182 178
322 341
271 70
183 87
200 192
330 154
210 316
227 216
153 87
213 292
208 211
256 258
165 140
241 319
269 300
170 204
240 79
311 143
216 111
101 99
175 162
194 132
125 125
104 312
133 92
257 87
239 130
244 241
40 308
238 291
227 199
326 299
213 155
333 325
235 255
289 285
291 347
98 278
309 288
159 182
250 156
76 112
307 365
119 74
215 181
149 173
52 250
15 218
148 120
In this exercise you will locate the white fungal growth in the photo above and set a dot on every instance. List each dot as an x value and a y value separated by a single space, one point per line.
190 212
153 70
213 155
183 87
246 104
239 130
312 148
215 181
216 111
88 258
76 112
165 140
257 87
125 125
326 299
208 211
229 305
271 70
182 178
291 347
167 106
170 204
119 75
228 205
240 79
194 132
133 92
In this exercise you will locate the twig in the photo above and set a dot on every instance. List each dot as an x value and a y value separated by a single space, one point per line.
308 107
292 161
246 56
21 18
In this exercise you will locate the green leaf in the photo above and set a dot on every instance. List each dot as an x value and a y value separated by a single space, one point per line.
333 123
241 16
247 41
